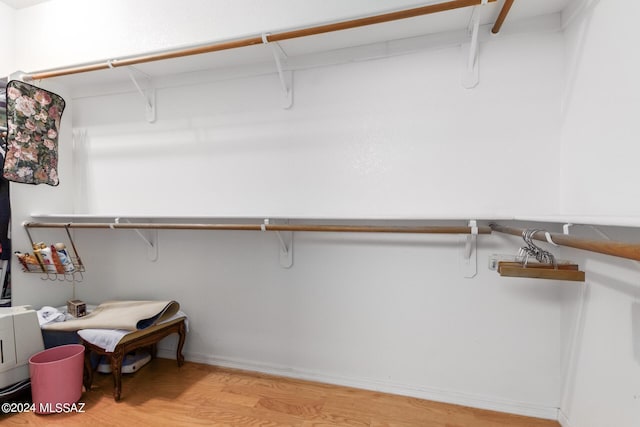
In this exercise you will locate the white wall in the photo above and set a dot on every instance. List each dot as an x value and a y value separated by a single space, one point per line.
382 312
602 97
397 138
600 146
7 35
603 376
391 138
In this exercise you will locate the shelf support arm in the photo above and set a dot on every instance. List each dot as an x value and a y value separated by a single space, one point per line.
286 77
468 258
285 238
149 95
470 77
151 241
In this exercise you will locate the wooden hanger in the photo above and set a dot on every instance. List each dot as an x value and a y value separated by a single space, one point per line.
546 266
541 271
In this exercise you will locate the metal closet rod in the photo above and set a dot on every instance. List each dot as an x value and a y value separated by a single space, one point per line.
275 37
619 249
269 227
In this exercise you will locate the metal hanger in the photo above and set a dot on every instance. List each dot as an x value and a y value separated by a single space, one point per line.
533 250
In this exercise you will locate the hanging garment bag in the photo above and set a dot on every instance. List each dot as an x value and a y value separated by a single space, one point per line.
33 122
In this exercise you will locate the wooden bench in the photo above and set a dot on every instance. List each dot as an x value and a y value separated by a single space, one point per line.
145 338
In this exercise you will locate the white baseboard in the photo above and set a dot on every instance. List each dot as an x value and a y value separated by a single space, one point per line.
563 419
445 396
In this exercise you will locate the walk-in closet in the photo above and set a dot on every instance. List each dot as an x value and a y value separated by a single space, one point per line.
432 201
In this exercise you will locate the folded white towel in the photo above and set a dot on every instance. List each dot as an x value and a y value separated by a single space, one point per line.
108 339
49 314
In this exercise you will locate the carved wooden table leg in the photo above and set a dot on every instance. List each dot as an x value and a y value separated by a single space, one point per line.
88 369
116 370
182 332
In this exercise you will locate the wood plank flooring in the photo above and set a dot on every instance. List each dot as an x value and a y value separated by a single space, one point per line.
161 394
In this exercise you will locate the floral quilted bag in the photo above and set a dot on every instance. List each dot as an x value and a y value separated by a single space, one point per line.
33 121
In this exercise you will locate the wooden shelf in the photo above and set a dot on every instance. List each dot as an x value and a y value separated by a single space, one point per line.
614 221
192 218
604 220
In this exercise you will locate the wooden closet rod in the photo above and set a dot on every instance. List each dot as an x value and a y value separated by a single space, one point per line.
232 44
501 17
619 249
269 227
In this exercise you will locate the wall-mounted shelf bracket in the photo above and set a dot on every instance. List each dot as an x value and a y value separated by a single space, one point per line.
286 77
468 255
150 238
148 94
19 75
470 76
285 239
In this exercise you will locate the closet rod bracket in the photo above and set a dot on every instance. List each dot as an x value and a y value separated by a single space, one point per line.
151 239
468 256
148 94
470 78
286 77
285 239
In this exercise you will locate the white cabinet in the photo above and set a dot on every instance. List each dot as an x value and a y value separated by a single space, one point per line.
20 338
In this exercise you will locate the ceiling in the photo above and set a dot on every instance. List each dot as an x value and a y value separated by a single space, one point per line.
521 8
21 4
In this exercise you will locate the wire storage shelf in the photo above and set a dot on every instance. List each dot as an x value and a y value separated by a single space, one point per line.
72 273
53 262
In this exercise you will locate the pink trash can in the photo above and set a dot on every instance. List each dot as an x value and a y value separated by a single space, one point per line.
56 378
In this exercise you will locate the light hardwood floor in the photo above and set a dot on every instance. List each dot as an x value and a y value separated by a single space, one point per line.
161 394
